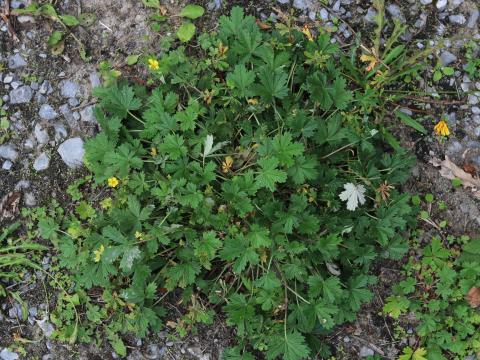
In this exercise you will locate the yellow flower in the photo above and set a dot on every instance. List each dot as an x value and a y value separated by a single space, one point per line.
138 235
113 182
98 253
153 151
227 164
153 64
252 101
442 128
306 31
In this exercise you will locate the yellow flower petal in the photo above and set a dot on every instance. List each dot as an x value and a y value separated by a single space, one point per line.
153 64
112 182
442 128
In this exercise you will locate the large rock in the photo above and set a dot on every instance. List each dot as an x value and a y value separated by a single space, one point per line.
21 95
72 152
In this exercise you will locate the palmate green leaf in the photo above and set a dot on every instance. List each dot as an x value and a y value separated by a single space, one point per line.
269 175
173 146
239 312
272 84
188 116
129 256
236 23
241 81
327 93
118 100
292 346
303 169
285 150
329 288
259 236
236 353
123 159
206 248
237 249
182 274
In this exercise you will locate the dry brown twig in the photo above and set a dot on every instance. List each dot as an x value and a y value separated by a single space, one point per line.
5 15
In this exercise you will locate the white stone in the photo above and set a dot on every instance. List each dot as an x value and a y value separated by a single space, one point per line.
72 152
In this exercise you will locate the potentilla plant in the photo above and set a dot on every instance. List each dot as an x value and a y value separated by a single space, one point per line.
246 177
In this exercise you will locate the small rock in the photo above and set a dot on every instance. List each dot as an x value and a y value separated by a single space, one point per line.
370 16
41 162
8 79
87 114
473 19
73 102
135 355
154 352
16 61
395 12
426 2
441 4
476 110
47 112
41 134
22 185
457 19
324 14
45 88
446 57
6 354
301 4
21 95
29 199
472 100
72 152
69 89
365 351
7 165
95 79
46 327
60 132
283 1
8 152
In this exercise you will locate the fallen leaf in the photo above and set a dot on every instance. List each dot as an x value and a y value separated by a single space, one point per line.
9 205
473 297
469 168
450 171
262 25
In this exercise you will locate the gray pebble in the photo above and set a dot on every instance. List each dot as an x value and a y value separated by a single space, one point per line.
8 79
426 2
47 112
473 19
69 89
8 152
16 61
365 351
87 114
446 57
370 16
457 19
396 13
41 134
41 162
441 4
72 152
7 165
21 95
6 354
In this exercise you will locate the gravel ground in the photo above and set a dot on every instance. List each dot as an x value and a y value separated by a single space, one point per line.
48 101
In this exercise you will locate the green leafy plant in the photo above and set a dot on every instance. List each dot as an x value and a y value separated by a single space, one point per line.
245 180
440 289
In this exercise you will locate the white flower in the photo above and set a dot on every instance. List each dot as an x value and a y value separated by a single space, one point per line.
353 194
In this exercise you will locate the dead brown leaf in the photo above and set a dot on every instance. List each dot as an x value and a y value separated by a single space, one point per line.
473 297
451 171
9 205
